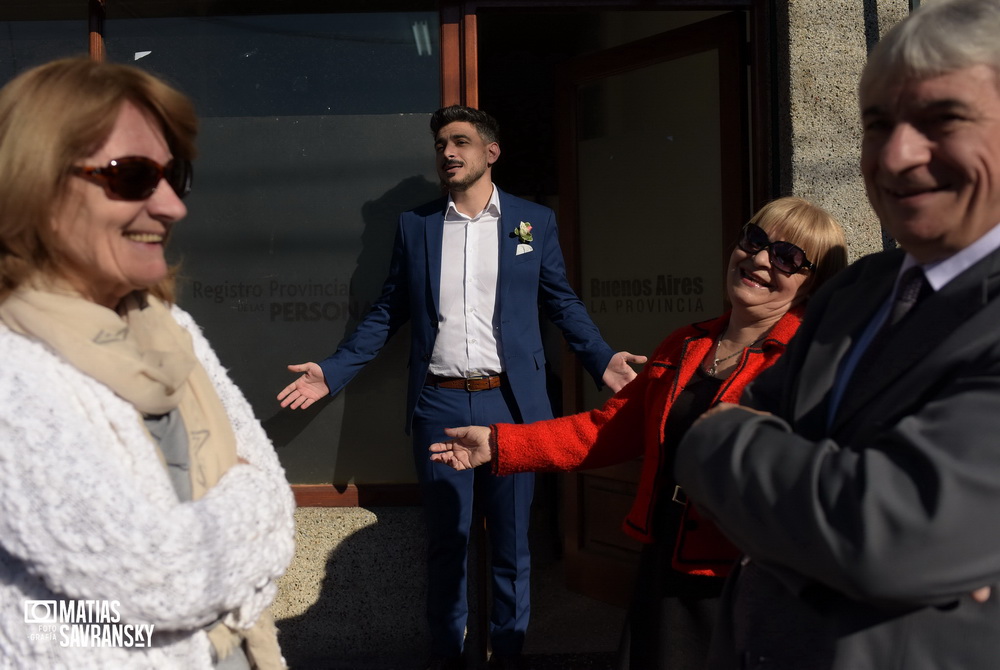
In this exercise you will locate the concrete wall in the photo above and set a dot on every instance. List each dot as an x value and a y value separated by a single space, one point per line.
826 44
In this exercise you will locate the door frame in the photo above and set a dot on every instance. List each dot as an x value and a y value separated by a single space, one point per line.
676 43
460 73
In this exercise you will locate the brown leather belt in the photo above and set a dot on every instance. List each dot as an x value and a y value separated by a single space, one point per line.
470 384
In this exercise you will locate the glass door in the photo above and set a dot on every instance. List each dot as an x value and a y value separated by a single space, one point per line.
654 180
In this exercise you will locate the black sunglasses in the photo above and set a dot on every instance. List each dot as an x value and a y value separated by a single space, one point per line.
785 256
136 177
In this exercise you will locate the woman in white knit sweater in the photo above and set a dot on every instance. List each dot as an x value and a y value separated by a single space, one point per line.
144 517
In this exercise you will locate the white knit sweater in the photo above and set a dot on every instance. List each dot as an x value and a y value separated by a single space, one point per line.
87 512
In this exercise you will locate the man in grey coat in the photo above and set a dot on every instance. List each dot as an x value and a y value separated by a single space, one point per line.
864 483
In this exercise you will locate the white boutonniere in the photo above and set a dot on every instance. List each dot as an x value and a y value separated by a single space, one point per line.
523 232
523 235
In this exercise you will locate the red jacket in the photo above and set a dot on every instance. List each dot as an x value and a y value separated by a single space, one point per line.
631 424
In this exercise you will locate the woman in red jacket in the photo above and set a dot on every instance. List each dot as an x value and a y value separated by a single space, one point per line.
786 251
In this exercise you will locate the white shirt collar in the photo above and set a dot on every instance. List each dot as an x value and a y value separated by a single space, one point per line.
451 212
939 273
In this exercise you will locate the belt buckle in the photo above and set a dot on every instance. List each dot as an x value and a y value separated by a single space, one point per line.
469 380
679 496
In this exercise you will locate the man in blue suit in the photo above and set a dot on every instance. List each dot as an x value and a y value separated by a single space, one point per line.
471 272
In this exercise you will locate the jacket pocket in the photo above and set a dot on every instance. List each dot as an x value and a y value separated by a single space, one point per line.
539 358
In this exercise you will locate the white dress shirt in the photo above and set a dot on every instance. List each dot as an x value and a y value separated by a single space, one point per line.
466 345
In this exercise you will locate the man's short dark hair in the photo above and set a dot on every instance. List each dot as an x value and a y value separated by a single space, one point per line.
485 125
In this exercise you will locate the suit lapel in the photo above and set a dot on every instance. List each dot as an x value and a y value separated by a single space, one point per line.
509 212
843 320
930 323
433 234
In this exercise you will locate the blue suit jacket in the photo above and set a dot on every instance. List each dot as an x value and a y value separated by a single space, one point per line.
525 283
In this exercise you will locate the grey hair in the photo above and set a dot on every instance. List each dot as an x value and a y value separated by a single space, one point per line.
941 36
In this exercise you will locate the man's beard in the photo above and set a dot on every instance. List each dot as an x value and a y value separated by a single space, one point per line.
465 182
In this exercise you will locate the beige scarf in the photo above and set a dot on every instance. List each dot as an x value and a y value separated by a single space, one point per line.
148 359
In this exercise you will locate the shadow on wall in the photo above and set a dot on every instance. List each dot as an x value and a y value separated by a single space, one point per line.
382 383
389 371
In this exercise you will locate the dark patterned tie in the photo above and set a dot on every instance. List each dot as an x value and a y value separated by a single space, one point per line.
913 287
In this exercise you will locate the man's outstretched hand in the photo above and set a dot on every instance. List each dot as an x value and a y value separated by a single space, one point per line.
305 390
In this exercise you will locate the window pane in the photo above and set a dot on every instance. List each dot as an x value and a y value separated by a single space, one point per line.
313 139
303 64
31 43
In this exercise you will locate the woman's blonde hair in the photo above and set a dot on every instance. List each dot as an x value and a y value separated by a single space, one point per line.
811 228
52 116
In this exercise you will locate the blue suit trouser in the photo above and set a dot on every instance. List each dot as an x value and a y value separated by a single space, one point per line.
448 499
